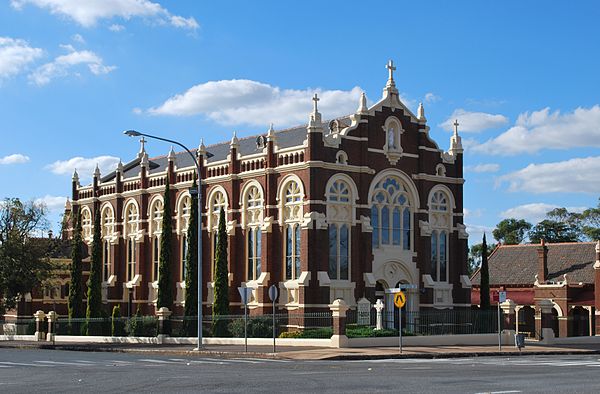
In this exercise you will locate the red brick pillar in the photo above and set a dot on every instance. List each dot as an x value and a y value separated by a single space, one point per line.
509 315
543 319
338 313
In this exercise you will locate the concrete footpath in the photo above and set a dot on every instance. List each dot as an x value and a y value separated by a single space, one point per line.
312 353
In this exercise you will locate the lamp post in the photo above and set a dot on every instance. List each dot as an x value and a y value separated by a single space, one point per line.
134 133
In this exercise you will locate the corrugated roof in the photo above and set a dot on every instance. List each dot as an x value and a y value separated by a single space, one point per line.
518 264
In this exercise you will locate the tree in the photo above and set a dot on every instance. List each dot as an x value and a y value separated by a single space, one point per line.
94 292
191 271
553 231
590 223
165 288
24 259
221 303
117 327
75 302
511 231
475 253
484 276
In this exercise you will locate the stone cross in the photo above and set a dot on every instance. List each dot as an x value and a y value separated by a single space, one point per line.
391 69
456 126
379 308
143 145
315 99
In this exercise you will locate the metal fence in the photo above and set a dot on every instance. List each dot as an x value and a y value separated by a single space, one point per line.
17 327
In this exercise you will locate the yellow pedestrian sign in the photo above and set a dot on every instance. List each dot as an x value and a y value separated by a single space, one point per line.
399 299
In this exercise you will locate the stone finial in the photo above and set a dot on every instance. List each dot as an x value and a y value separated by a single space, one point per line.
390 86
97 171
201 148
144 162
235 143
171 156
68 205
271 131
456 141
142 147
75 176
315 116
120 167
421 113
362 105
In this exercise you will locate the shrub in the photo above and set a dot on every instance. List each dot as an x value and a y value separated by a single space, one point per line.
309 333
258 327
117 326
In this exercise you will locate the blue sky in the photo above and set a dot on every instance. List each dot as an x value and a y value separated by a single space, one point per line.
521 77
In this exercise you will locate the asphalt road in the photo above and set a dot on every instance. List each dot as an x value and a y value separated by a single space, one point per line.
62 371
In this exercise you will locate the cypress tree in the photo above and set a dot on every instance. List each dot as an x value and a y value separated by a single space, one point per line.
165 288
221 303
484 288
190 327
75 286
94 299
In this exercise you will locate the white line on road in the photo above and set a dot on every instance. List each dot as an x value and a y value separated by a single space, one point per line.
500 392
23 364
63 363
150 360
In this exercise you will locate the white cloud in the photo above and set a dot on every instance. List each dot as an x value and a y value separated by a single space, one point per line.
539 130
78 38
431 98
473 122
85 166
15 56
116 27
249 102
53 203
87 13
472 213
487 167
62 66
476 233
16 158
533 213
579 175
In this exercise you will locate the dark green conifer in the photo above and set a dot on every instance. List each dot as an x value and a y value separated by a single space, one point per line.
94 298
221 303
190 325
165 287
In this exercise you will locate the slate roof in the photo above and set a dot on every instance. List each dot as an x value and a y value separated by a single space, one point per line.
518 264
286 138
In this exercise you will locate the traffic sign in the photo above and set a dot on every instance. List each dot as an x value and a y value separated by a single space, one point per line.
273 293
245 294
501 296
400 299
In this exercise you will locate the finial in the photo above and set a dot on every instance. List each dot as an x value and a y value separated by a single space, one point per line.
456 141
201 148
421 113
315 99
390 86
97 171
120 166
456 124
362 105
543 242
142 147
271 131
75 176
234 141
171 155
68 205
144 162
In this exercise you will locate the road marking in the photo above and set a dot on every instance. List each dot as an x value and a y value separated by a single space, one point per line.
150 360
207 362
63 363
23 364
500 392
240 360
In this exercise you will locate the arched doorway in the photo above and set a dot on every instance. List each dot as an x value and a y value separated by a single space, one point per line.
579 322
526 320
554 322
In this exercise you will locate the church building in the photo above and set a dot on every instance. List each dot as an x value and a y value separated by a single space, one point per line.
341 209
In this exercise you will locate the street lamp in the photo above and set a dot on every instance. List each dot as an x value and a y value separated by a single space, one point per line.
134 133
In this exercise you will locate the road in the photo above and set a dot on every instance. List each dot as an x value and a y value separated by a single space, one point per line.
62 371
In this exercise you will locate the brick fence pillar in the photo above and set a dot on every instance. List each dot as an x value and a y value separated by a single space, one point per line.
544 319
52 317
39 325
164 326
338 313
509 315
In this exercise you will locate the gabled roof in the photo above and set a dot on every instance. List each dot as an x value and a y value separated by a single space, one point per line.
518 264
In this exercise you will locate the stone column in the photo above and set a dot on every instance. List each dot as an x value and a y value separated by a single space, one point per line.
338 313
52 317
164 326
508 313
543 319
39 325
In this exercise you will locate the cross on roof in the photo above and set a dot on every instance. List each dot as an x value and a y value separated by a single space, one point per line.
391 68
456 126
315 99
142 143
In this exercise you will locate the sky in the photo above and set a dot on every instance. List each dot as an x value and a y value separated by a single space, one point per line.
521 78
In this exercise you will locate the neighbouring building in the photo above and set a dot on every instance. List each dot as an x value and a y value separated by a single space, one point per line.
340 209
560 280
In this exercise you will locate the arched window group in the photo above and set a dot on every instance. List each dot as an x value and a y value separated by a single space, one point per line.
292 217
107 222
339 218
131 226
391 216
253 217
215 203
183 221
156 217
441 223
86 223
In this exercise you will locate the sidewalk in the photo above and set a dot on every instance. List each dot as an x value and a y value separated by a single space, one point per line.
312 353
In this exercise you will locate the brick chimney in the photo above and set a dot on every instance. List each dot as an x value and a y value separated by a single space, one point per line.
542 252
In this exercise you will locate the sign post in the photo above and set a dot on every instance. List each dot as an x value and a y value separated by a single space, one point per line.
399 301
245 293
501 298
273 293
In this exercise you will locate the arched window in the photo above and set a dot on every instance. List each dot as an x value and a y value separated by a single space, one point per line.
108 227
253 216
156 217
391 216
339 218
440 220
131 227
184 213
292 216
215 203
86 223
